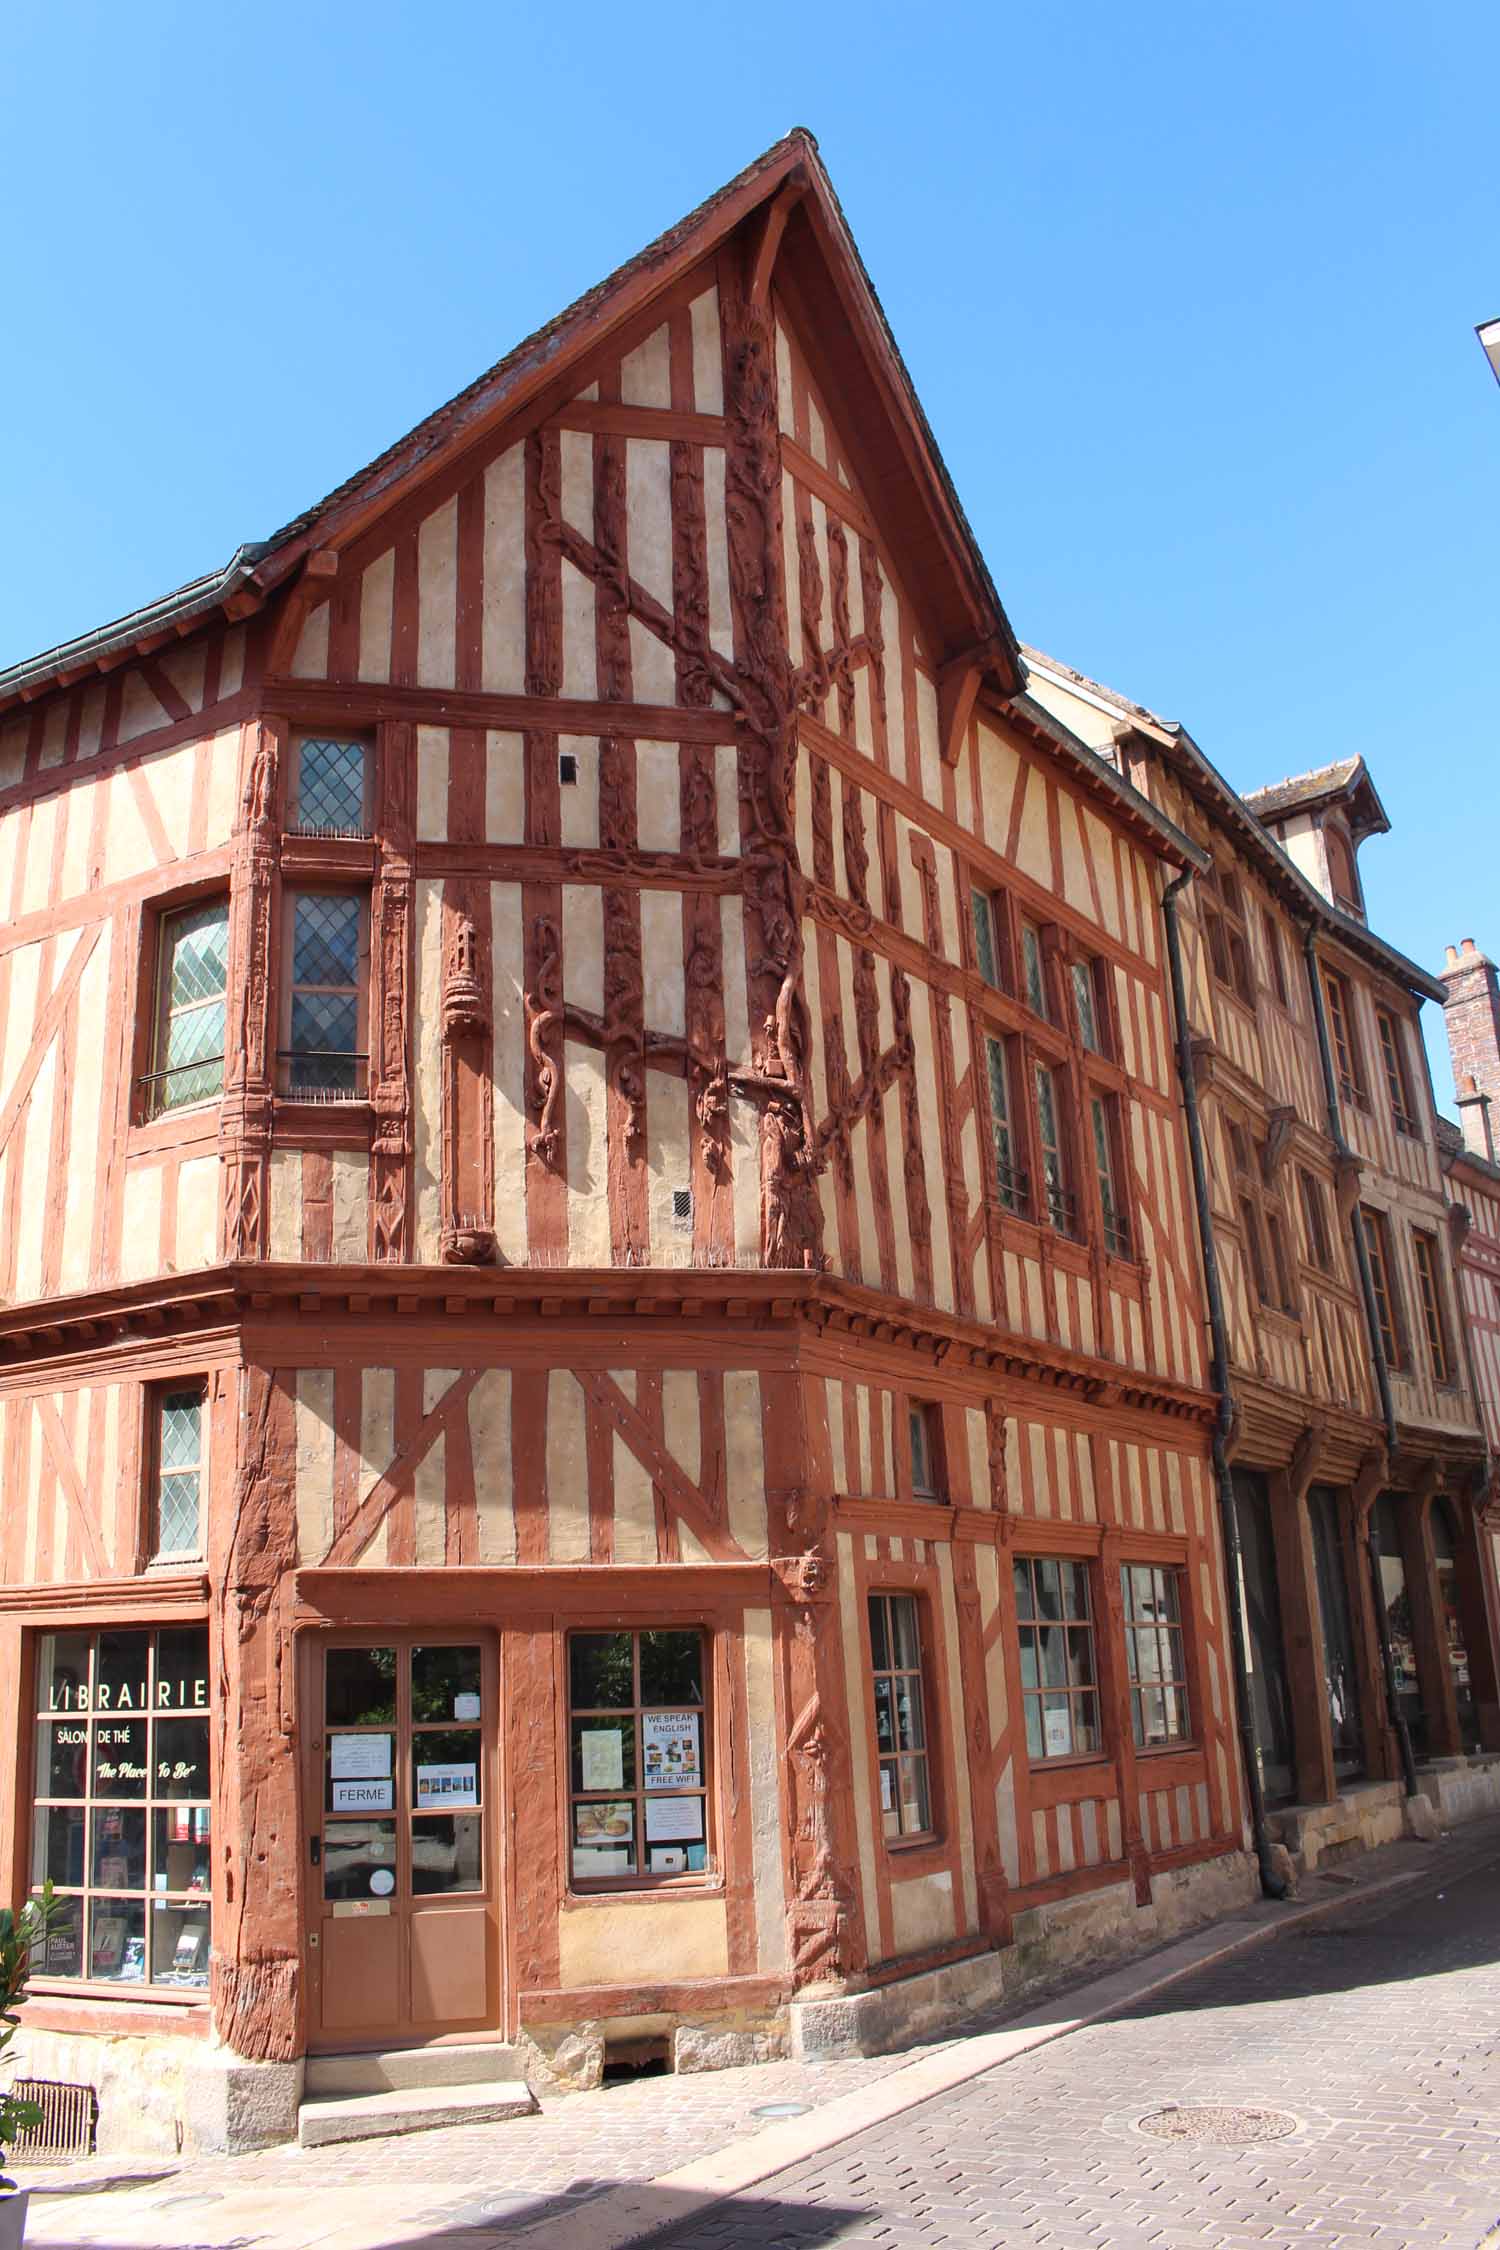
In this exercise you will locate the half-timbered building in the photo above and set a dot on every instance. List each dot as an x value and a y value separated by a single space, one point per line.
602 1386
1354 1442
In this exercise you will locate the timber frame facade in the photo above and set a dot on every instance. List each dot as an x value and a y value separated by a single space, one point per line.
1353 1403
583 1057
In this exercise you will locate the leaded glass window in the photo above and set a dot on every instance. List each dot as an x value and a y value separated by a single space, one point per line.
323 1058
188 1060
179 1471
1010 1179
331 787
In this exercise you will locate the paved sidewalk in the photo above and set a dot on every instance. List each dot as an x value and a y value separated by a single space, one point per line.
597 2170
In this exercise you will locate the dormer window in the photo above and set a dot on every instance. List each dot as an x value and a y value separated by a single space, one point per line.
1343 882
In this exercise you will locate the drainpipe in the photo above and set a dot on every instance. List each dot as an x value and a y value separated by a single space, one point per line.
1274 1885
1377 1354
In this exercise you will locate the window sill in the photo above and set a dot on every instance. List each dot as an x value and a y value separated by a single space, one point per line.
643 1888
129 1995
1190 1747
194 1121
340 1124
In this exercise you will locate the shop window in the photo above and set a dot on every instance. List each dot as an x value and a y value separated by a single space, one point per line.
1434 1321
187 1045
900 1716
924 1422
1383 1282
176 1425
1083 976
1445 1555
1315 1222
1156 1655
1010 1177
1397 1076
638 1790
324 1057
1347 1059
1034 969
121 1820
1059 1677
1340 1673
988 911
1061 1205
1398 1619
330 795
1105 1126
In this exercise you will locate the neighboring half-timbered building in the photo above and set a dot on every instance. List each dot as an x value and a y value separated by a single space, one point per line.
604 1418
1353 1406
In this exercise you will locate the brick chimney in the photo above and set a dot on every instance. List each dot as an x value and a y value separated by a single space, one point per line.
1472 1015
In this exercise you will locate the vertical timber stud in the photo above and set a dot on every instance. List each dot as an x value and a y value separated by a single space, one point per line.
251 1009
824 1930
258 2000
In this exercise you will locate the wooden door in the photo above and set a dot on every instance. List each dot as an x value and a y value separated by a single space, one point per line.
403 1835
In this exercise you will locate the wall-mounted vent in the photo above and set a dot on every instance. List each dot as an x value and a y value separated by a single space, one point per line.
682 1207
70 2116
567 768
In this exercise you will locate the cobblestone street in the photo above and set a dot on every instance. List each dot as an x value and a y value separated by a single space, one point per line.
1373 2028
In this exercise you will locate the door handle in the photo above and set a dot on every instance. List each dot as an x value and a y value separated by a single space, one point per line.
315 1850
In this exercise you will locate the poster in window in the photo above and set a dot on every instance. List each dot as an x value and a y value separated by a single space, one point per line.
1057 1733
669 1744
674 1819
602 1750
448 1786
360 1757
109 1943
605 1824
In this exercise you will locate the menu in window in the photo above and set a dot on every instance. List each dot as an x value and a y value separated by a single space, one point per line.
360 1757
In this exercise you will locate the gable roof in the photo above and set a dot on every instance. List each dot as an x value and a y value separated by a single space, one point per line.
841 327
1239 816
1347 780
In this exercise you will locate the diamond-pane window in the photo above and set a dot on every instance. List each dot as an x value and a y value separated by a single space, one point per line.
179 1471
188 1064
322 1059
331 787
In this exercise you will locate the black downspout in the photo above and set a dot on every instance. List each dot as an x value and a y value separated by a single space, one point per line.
1274 1885
1377 1354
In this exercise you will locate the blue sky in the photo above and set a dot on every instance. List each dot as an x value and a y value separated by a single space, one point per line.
1188 293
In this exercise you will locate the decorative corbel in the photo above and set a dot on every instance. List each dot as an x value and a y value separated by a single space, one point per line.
1348 1170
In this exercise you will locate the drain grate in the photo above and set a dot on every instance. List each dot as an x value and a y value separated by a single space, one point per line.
1213 2122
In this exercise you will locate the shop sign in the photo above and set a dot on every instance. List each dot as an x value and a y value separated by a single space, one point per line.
445 1787
670 1744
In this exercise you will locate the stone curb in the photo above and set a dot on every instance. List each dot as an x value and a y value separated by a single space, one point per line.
633 2213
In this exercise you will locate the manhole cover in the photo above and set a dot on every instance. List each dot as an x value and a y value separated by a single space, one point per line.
1215 2123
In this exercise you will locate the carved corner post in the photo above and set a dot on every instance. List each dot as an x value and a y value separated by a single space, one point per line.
250 1009
392 917
825 1941
467 1124
982 1745
766 687
257 1986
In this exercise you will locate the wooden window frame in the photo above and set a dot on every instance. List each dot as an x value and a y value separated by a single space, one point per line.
292 822
1397 1075
1028 937
1343 1032
1012 1183
153 1015
927 1414
1228 937
1428 1262
1277 959
1315 1228
710 1877
914 1839
285 1054
1114 1213
1376 1229
1029 1558
1056 1206
154 1396
1177 1635
994 906
1088 968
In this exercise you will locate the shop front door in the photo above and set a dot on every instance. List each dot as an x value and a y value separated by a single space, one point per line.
401 1828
